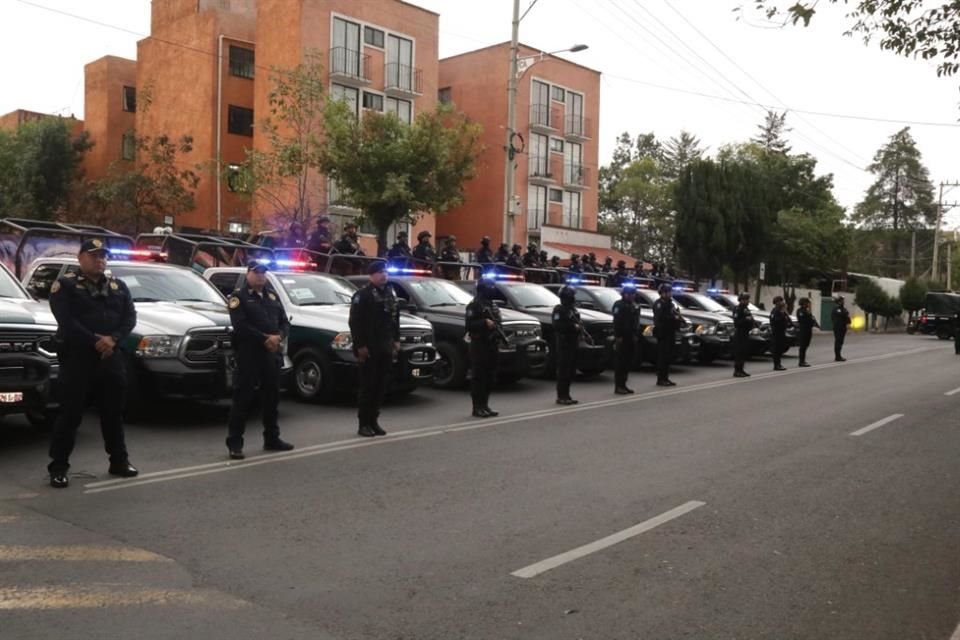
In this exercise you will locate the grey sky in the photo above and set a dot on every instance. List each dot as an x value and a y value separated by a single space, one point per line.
814 69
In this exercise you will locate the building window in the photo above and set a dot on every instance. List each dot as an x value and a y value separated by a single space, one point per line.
241 62
346 57
556 144
400 71
234 178
372 101
445 95
539 156
402 108
540 104
558 94
536 207
130 99
373 37
128 146
240 121
572 209
346 94
556 195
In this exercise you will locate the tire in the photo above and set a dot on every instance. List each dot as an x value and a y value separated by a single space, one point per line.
591 373
312 377
911 330
450 371
943 333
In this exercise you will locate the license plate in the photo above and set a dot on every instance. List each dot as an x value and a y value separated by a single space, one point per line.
416 373
11 397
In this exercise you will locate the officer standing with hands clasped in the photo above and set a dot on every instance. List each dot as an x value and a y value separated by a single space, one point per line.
666 322
626 322
779 321
743 324
375 328
94 313
805 332
567 328
484 327
259 326
841 320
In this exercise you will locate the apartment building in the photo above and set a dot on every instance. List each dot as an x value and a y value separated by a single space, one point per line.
110 108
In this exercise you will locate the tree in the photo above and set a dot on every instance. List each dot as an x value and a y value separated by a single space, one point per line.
611 219
680 151
912 295
393 171
872 299
648 224
772 132
39 167
134 198
701 218
283 177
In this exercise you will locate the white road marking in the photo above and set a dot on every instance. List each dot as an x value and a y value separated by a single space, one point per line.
77 553
601 544
87 596
470 425
877 424
956 634
952 393
6 519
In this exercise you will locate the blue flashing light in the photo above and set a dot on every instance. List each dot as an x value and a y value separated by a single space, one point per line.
574 281
489 276
406 271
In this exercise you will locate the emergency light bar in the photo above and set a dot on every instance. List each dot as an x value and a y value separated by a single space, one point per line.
721 291
408 271
490 275
139 253
291 264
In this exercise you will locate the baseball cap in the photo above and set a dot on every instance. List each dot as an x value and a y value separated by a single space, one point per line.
256 265
93 245
376 267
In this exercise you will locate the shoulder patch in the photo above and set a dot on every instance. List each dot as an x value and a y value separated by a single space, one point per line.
271 296
114 285
234 302
55 286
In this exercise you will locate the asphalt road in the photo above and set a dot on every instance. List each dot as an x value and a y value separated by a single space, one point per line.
817 503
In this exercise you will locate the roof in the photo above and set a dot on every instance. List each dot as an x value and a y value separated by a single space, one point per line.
522 46
416 6
600 252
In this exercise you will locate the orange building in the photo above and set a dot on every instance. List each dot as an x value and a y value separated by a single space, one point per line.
110 107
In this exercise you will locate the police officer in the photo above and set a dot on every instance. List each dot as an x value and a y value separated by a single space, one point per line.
349 243
956 333
296 237
401 248
515 259
638 269
779 323
566 328
503 252
544 258
575 266
320 239
621 276
590 263
666 322
424 250
626 322
259 327
805 331
95 314
743 324
607 265
484 253
841 320
452 255
532 257
484 325
375 328
554 262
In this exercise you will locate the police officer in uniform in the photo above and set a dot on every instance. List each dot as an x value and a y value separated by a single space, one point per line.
590 263
515 259
566 328
666 322
95 314
484 325
575 266
805 331
621 276
956 333
401 248
484 253
259 327
349 243
779 323
450 254
607 265
375 327
544 258
743 324
503 252
532 257
626 323
555 262
424 250
320 239
841 320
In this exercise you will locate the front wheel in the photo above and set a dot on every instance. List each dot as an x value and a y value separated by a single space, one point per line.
450 370
943 333
312 376
591 373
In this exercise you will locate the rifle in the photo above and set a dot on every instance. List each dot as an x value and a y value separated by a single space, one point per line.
488 315
584 335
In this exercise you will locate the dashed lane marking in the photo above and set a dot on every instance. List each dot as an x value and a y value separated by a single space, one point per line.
877 424
8 519
603 543
86 596
77 553
952 393
412 434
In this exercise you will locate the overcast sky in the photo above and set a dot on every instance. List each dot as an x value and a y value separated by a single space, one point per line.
653 59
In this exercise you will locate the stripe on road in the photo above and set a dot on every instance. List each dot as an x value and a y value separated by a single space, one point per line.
877 424
603 543
7 519
77 553
81 596
952 393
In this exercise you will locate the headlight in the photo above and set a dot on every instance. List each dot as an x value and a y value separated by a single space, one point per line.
648 331
343 342
704 330
159 346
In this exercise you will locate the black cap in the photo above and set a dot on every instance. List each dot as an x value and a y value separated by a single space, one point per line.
743 295
666 288
424 234
402 234
256 265
376 267
93 245
324 219
350 225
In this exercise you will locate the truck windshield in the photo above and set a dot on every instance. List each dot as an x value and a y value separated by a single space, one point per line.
310 290
9 287
165 284
706 303
532 296
439 293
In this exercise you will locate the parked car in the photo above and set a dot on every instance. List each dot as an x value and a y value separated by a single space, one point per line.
936 318
28 354
320 343
595 352
729 302
180 346
444 305
687 344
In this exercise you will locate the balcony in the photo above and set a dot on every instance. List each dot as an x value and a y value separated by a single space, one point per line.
349 66
544 117
575 175
540 170
577 127
402 80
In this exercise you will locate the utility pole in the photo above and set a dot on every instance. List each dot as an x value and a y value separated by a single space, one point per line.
511 177
935 267
913 254
949 267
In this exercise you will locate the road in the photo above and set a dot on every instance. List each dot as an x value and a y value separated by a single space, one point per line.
812 504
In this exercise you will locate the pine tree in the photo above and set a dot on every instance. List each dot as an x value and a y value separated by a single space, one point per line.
678 152
772 133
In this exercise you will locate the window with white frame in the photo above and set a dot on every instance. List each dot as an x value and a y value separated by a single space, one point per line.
573 164
556 195
536 207
345 56
402 108
372 101
373 37
539 155
347 94
575 113
556 145
572 209
558 94
399 63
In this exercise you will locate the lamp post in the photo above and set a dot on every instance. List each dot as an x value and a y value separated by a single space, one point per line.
510 150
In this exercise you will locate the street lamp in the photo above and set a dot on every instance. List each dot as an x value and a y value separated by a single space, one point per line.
515 72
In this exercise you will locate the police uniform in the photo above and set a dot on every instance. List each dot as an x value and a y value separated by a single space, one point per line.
400 249
626 322
374 325
515 259
87 309
484 254
424 251
255 316
502 254
566 328
320 240
743 324
779 322
620 276
484 348
806 323
956 333
348 245
841 320
666 322
531 258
